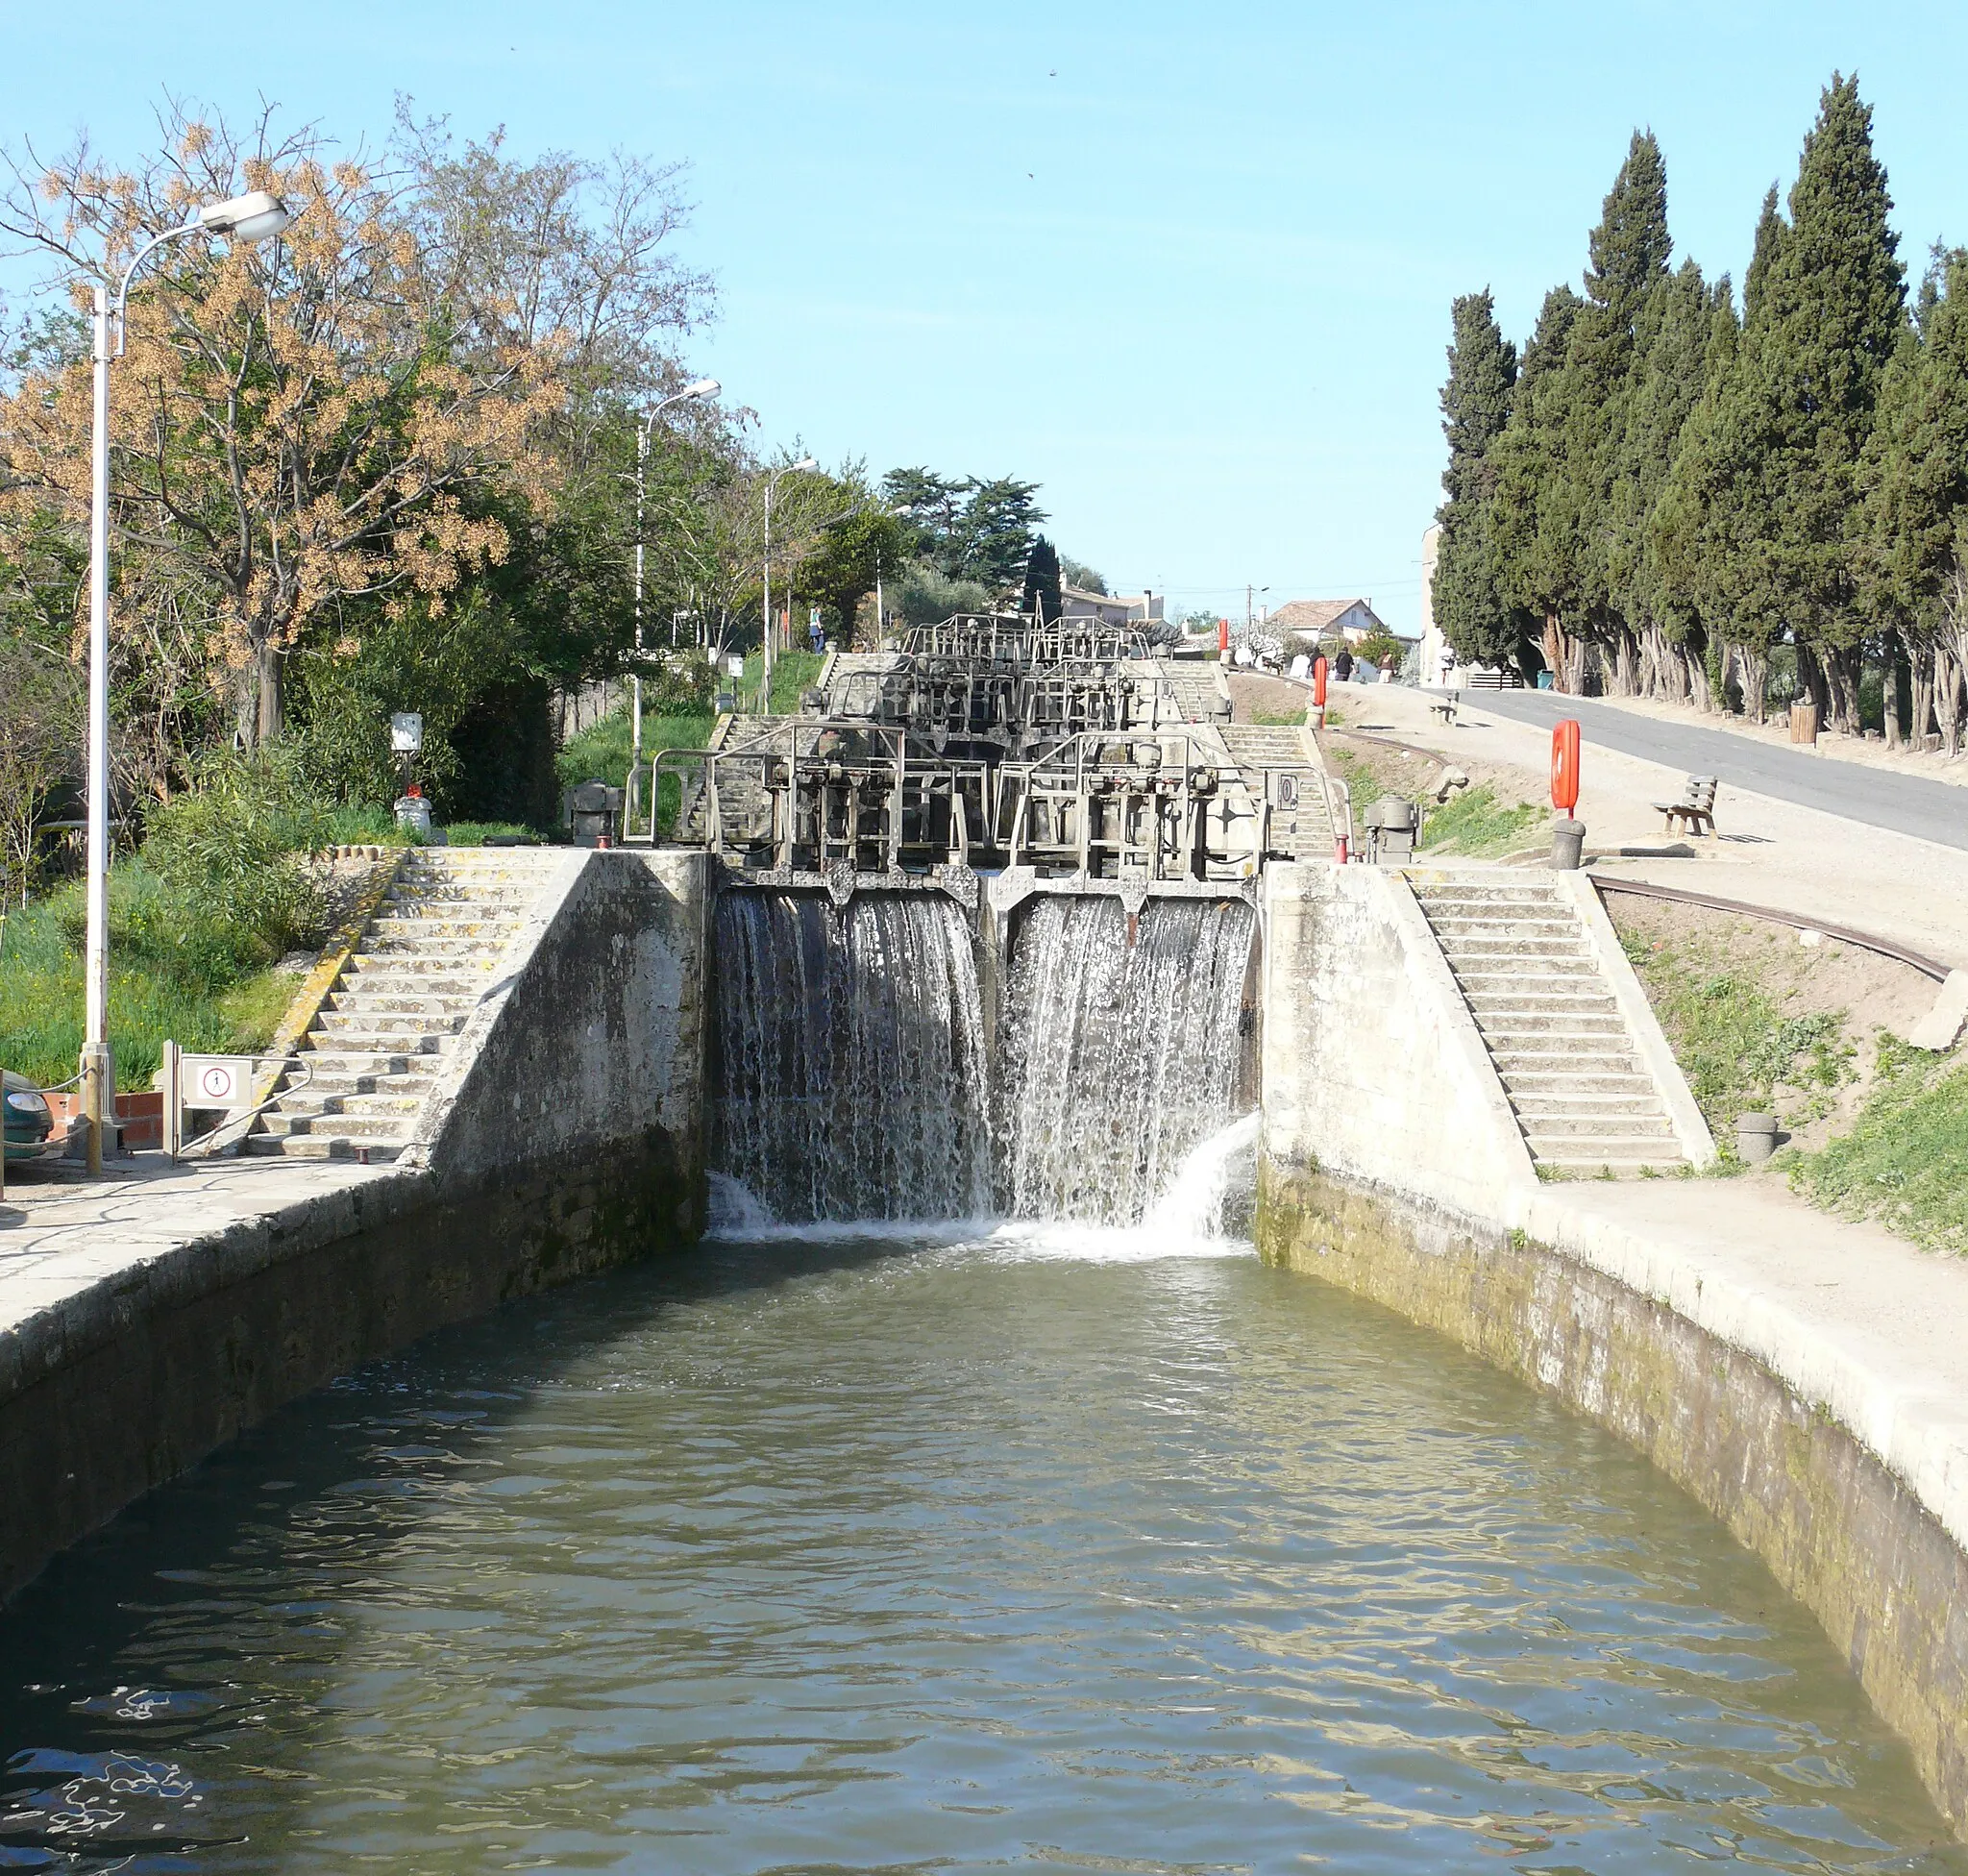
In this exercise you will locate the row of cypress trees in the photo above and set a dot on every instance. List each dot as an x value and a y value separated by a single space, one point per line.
1666 487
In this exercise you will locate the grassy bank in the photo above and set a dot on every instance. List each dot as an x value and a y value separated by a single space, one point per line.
1475 823
42 1004
1903 1161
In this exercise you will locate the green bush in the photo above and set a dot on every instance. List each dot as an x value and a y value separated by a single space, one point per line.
233 891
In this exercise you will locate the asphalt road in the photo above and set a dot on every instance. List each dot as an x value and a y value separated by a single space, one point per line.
1879 797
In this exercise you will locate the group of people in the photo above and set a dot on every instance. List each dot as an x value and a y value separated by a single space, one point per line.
1345 664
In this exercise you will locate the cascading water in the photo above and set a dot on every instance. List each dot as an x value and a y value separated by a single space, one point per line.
852 1051
1117 1060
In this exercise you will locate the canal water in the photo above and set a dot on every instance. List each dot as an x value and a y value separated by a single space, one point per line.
1032 1549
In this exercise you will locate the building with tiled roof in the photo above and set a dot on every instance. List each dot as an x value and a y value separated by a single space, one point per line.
1349 619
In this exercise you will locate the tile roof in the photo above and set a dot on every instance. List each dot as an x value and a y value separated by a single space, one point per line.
1314 615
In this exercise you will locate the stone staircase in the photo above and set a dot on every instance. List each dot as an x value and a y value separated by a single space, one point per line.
435 947
1562 1048
1301 828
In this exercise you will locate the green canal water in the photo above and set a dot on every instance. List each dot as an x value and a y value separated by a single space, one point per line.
1028 1552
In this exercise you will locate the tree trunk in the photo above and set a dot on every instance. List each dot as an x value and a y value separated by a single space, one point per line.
1920 656
1555 653
1947 697
1753 673
1694 671
1889 690
1843 668
1810 680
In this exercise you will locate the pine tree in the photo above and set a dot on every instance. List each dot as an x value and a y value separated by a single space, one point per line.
1469 603
1831 314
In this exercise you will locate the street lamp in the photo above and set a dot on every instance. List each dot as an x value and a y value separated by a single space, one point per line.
701 387
772 482
252 218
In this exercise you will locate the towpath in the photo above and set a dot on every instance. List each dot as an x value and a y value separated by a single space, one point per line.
1877 798
61 1234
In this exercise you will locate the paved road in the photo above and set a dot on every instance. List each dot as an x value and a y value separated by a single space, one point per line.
1879 797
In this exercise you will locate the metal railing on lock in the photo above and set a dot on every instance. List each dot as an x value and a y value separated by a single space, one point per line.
813 795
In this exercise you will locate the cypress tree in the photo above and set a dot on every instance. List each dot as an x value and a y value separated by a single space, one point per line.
1627 264
1042 582
1535 518
1468 601
1670 371
1831 317
1915 471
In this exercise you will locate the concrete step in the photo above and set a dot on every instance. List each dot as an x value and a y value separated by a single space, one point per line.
302 1146
445 928
1564 1083
407 999
382 1028
1492 945
1516 999
1505 1029
366 1083
1588 1158
1629 1127
1620 1105
337 1055
439 953
1571 1056
314 1100
1459 928
339 1126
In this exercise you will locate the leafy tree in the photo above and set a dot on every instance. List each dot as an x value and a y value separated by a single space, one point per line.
40 746
1077 573
308 426
995 535
1468 595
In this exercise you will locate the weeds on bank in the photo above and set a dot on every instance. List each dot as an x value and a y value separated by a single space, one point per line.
41 1002
1903 1161
1278 718
1739 1051
1475 823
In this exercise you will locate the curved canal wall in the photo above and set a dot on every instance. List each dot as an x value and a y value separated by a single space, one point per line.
567 1137
1798 1376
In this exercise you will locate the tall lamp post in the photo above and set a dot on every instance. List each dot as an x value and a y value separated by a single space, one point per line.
253 218
702 387
772 483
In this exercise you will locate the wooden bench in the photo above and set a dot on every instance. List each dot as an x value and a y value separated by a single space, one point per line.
1695 812
1446 708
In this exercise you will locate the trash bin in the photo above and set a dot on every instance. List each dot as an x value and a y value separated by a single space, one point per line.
1567 845
1804 723
593 810
414 811
1391 825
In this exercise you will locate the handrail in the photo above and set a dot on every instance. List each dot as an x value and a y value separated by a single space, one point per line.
244 1117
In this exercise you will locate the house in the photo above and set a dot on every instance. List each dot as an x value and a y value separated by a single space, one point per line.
1326 619
1110 608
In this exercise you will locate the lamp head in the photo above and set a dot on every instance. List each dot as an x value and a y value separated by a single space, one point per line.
702 387
250 217
804 462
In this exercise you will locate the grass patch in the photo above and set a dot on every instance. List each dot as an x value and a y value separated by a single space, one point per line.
1475 823
1741 1055
601 752
1902 1162
476 833
42 1004
792 673
1279 719
368 826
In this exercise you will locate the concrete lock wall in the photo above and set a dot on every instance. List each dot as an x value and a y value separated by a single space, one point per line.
570 1138
1384 1169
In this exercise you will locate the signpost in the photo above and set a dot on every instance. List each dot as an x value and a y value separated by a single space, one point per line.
208 1081
1567 835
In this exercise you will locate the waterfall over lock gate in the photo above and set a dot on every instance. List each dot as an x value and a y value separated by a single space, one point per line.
854 1081
851 1061
1117 1059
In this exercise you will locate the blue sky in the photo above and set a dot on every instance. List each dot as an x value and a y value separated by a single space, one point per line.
1187 266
